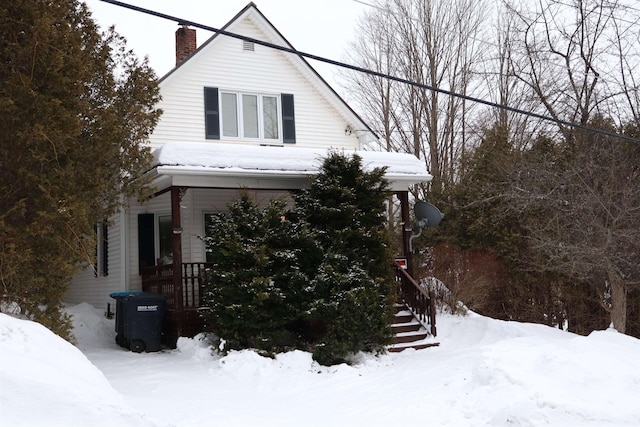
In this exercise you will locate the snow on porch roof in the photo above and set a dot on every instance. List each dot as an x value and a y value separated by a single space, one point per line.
269 166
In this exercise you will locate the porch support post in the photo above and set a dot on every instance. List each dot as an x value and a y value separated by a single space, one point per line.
176 245
403 197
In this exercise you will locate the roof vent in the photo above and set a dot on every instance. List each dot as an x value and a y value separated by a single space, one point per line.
248 46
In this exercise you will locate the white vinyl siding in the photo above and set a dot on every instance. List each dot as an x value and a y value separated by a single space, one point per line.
207 201
86 287
224 65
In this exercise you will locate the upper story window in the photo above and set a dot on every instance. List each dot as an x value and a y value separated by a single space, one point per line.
249 115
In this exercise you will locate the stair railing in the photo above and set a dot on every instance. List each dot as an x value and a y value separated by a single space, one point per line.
421 302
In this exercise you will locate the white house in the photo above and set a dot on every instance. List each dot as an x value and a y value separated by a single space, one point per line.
237 115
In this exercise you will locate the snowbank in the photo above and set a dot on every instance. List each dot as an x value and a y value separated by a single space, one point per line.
45 381
484 373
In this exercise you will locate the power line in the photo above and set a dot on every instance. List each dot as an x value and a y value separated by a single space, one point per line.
182 21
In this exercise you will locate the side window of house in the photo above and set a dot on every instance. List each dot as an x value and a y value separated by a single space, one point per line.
165 235
155 234
249 115
101 256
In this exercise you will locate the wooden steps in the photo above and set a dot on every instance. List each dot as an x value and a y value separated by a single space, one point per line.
408 332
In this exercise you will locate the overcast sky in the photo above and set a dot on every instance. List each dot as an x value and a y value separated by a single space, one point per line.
321 27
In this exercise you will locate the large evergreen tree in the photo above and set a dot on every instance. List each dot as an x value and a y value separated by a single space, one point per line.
74 107
257 292
562 217
345 208
583 210
318 278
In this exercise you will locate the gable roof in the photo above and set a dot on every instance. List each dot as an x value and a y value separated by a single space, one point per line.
251 11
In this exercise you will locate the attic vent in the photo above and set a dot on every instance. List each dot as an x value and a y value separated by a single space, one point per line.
249 46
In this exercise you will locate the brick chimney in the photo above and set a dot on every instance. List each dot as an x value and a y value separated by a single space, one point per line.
185 43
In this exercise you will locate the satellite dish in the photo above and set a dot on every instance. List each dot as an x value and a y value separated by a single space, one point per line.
427 215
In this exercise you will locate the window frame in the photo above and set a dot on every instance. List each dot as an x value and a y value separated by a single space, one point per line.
240 116
159 234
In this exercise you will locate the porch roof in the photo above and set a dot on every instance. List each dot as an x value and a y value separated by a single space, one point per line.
219 165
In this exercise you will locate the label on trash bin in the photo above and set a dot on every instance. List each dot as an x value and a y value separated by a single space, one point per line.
147 308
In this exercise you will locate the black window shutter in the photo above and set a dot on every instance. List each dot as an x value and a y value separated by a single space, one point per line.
95 252
288 119
146 241
211 113
105 248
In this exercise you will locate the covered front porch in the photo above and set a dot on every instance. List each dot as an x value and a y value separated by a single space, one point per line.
187 175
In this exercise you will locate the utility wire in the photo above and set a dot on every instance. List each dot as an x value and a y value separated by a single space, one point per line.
182 21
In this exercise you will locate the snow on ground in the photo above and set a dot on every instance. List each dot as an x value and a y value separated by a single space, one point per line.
485 373
45 381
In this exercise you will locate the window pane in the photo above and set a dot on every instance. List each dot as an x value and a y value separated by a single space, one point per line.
165 234
229 114
270 113
250 115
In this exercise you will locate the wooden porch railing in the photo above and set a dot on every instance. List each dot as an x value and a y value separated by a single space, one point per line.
159 279
421 302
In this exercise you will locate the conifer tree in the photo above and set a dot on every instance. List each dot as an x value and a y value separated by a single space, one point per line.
320 280
74 107
257 289
344 208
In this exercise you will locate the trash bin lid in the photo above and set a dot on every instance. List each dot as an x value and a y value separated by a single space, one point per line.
147 296
116 295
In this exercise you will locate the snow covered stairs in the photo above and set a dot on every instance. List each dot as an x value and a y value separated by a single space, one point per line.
408 332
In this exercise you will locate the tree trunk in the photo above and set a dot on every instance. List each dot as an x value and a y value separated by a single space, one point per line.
618 302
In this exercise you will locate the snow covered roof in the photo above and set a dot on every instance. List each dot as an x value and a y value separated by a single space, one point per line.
252 166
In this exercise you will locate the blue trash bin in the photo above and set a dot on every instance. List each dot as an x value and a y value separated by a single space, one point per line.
139 317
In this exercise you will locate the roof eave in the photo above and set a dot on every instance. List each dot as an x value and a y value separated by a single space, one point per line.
165 176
